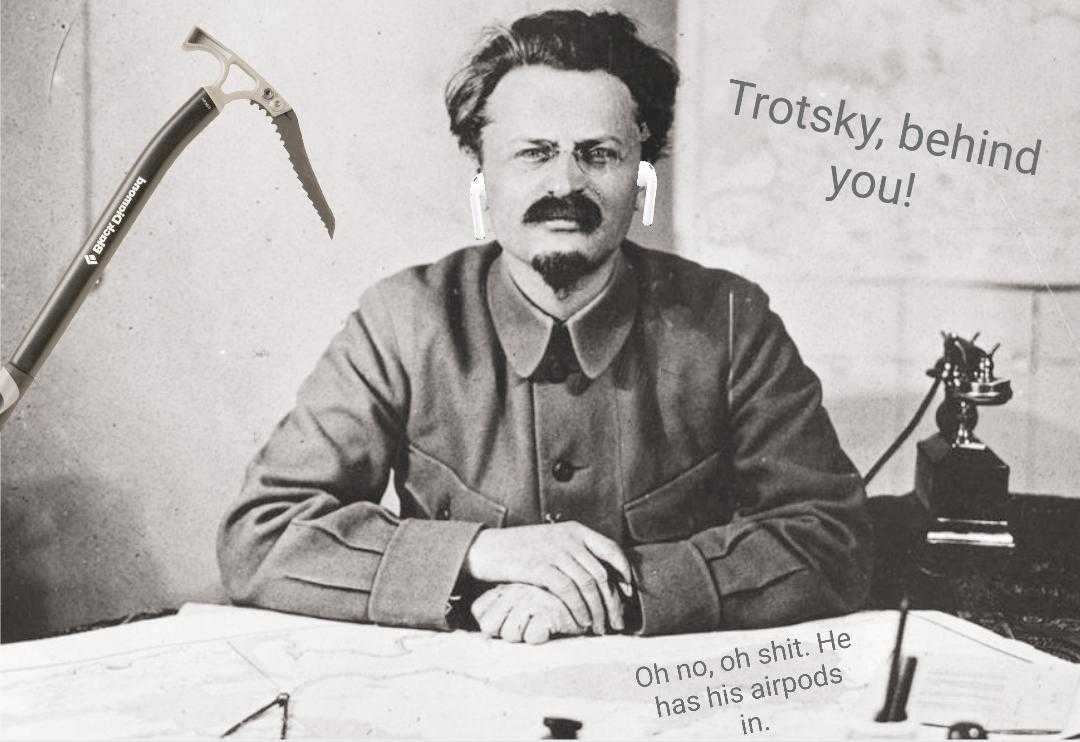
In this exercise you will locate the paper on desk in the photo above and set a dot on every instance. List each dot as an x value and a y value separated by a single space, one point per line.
211 665
936 630
999 693
187 628
173 677
969 673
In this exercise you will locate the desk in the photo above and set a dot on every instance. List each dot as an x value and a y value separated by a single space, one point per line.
197 673
1032 590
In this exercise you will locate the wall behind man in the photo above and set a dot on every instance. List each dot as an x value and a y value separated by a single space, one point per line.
118 464
865 287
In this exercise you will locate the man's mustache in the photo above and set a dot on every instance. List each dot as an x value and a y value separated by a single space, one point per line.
576 207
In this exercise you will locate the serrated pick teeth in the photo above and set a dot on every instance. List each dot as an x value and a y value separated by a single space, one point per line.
301 165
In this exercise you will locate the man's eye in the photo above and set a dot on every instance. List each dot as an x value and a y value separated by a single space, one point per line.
602 155
534 154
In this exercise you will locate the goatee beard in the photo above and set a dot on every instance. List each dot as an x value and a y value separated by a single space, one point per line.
562 271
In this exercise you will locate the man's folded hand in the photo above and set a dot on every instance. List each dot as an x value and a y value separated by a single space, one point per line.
519 612
566 559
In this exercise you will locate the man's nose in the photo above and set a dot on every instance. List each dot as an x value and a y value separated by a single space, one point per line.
565 175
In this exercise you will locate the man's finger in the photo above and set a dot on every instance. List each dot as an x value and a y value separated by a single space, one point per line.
485 601
615 611
561 620
608 551
491 621
589 589
538 630
513 628
556 581
612 602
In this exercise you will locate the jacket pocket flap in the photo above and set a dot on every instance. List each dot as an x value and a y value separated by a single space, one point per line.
433 490
680 507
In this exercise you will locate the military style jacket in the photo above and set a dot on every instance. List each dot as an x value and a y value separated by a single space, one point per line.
672 414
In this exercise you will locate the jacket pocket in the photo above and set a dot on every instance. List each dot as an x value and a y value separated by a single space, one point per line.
431 489
693 501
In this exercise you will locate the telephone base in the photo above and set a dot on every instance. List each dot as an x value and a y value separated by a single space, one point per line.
960 482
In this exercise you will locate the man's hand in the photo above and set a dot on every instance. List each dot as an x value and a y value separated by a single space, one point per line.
519 612
567 559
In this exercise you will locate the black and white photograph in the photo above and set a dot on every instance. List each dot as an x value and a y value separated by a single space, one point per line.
525 369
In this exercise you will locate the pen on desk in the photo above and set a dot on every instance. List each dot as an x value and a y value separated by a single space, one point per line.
898 709
894 665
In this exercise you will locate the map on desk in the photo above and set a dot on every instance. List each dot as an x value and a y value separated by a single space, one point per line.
198 673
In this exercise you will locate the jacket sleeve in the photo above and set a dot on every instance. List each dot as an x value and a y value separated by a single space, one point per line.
307 534
798 544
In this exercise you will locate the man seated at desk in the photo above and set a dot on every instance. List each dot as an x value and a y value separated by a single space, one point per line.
585 435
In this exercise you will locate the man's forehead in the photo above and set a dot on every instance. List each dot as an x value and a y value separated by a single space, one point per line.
540 102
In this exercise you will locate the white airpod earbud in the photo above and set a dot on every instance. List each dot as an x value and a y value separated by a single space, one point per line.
646 178
477 196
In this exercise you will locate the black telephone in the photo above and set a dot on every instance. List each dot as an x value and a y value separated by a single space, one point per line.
957 477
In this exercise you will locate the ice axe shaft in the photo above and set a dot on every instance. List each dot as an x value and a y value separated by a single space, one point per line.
104 238
124 207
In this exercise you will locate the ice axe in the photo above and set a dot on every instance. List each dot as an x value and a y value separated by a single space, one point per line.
117 218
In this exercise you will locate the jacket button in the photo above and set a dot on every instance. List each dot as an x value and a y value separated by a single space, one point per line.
577 382
444 513
562 471
556 372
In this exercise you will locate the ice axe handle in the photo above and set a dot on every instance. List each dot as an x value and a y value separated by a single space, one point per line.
100 245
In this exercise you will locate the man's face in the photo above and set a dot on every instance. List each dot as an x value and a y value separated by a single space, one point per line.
560 158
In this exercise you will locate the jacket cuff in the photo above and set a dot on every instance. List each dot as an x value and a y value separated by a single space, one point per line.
418 571
675 589
749 562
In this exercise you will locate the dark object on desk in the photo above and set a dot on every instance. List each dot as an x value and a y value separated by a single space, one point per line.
1030 592
965 730
974 730
560 728
898 711
899 684
281 700
890 692
956 475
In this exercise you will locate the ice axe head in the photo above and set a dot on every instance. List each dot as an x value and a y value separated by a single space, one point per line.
269 99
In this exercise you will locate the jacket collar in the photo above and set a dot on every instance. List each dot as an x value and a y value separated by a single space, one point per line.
597 330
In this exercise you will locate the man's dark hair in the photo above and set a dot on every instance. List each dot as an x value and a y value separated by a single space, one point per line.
567 40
